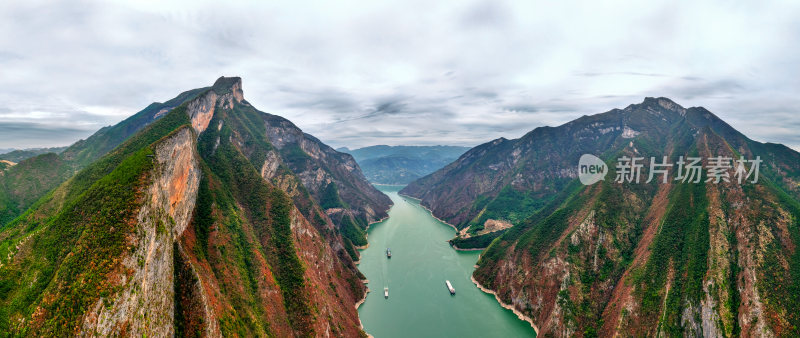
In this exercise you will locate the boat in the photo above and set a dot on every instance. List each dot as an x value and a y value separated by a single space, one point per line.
450 287
385 292
388 252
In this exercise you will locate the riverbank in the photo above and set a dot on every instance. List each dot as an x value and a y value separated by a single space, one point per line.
361 301
519 314
366 233
467 249
358 304
445 222
429 211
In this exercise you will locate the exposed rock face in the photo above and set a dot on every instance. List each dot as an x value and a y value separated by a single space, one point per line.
328 176
50 170
144 306
177 232
201 110
632 259
327 165
271 164
323 267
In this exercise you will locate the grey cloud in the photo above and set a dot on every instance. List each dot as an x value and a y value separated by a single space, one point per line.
594 74
392 73
487 14
705 89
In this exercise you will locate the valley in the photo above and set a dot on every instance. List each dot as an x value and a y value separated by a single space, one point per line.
204 215
419 303
382 169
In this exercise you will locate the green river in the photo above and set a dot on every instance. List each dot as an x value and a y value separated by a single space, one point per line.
419 304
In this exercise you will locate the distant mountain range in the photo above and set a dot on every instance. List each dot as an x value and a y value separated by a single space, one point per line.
17 155
628 259
402 164
200 216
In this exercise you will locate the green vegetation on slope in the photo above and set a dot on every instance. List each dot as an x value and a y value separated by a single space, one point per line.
24 183
531 231
76 247
510 205
33 177
680 248
781 288
76 251
272 226
330 197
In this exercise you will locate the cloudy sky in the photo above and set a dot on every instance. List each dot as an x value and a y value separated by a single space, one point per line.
406 72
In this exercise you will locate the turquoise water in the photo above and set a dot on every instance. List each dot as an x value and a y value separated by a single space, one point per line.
419 304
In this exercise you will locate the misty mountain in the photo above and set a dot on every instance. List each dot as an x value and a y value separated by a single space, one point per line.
402 164
22 154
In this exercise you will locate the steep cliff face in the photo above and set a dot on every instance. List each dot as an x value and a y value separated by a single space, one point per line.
319 165
640 259
177 232
144 306
40 174
330 177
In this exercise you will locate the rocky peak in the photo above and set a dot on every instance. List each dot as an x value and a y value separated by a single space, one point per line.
658 104
229 85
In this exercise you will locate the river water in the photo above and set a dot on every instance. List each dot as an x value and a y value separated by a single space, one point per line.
419 304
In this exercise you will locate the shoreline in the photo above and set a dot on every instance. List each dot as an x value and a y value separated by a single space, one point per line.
506 306
366 235
362 300
470 249
443 221
430 211
358 304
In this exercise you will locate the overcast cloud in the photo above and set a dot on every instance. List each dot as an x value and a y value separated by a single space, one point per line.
406 72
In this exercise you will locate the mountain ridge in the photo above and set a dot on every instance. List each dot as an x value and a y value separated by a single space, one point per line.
630 259
177 231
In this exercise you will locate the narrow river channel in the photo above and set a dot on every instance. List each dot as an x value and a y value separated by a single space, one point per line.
419 304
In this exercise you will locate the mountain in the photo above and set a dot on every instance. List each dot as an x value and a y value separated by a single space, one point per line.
194 224
19 155
5 164
328 177
34 176
692 259
402 164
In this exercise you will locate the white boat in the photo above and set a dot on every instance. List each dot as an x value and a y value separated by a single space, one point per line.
386 292
450 287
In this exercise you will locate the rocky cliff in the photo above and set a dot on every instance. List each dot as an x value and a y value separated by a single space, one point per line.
331 177
177 231
632 259
41 173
